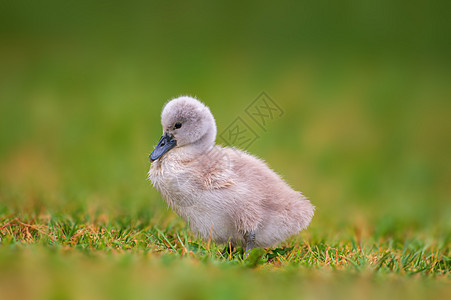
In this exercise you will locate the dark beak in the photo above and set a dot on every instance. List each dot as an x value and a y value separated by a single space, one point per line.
165 144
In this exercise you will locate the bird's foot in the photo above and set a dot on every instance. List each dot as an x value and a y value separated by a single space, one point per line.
249 238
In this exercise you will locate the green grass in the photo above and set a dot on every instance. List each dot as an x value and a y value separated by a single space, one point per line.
393 252
117 257
365 135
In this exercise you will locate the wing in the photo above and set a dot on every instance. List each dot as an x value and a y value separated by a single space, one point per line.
217 170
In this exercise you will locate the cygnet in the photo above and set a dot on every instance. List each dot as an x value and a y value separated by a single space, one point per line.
223 193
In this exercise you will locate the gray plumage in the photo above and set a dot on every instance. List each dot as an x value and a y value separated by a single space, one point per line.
223 193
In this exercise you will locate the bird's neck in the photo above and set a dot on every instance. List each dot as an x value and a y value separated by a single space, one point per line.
200 147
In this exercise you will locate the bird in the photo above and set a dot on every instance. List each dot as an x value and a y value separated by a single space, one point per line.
224 193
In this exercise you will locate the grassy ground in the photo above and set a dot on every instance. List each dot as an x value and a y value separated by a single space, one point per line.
95 256
365 135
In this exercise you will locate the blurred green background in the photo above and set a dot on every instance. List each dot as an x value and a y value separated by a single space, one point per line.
365 87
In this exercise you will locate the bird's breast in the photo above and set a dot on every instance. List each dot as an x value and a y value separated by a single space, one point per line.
176 183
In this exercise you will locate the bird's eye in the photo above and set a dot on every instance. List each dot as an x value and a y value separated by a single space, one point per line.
177 125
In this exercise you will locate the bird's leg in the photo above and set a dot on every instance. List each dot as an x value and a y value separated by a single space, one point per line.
249 238
228 250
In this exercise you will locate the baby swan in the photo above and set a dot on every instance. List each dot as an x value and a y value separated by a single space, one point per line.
223 193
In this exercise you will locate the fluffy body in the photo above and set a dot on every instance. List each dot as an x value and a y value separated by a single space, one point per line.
223 193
